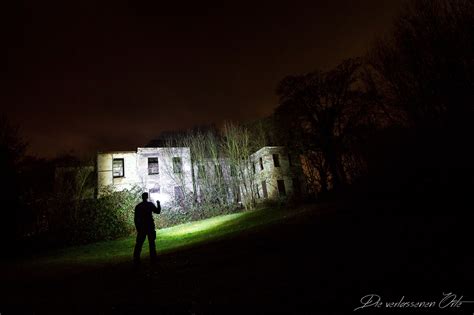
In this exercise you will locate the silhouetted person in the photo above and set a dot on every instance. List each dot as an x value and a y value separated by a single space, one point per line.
145 227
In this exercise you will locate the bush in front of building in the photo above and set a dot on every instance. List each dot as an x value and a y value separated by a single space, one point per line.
105 218
60 219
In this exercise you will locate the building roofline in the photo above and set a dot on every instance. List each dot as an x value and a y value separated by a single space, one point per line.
268 147
111 152
151 148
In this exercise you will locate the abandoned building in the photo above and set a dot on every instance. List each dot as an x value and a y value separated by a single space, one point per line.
168 173
277 173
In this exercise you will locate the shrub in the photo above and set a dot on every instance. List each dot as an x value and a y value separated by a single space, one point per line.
105 218
60 220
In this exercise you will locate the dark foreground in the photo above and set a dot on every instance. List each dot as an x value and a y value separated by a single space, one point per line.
323 262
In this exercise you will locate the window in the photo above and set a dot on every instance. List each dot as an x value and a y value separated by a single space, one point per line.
253 168
177 165
118 168
155 190
153 166
281 187
201 171
264 189
179 193
276 160
261 164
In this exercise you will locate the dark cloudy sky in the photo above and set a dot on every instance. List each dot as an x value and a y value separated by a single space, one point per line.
91 75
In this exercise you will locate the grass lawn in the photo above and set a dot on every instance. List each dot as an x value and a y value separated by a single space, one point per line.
317 259
208 261
171 239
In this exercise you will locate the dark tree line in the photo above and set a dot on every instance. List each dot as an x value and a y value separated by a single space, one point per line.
427 62
11 151
318 109
399 117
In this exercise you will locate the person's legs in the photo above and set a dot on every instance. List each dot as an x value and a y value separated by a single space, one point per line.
151 243
138 246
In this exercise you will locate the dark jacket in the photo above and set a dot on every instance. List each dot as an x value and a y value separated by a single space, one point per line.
144 216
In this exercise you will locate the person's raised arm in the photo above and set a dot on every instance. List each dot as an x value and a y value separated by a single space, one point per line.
157 209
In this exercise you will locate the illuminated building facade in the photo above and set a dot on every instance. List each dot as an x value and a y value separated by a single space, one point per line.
278 173
168 174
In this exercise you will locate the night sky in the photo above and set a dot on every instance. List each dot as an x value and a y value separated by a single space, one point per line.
84 76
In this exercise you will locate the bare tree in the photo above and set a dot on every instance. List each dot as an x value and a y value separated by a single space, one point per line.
238 145
316 108
209 164
222 169
73 185
175 169
426 62
426 67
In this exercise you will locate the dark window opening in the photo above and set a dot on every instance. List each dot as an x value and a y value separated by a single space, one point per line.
153 167
118 168
264 189
253 168
281 187
276 160
155 190
177 165
261 164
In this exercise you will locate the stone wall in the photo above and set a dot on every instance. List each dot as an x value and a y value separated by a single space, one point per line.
288 171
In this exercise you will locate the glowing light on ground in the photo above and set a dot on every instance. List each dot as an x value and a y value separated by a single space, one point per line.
169 239
197 227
